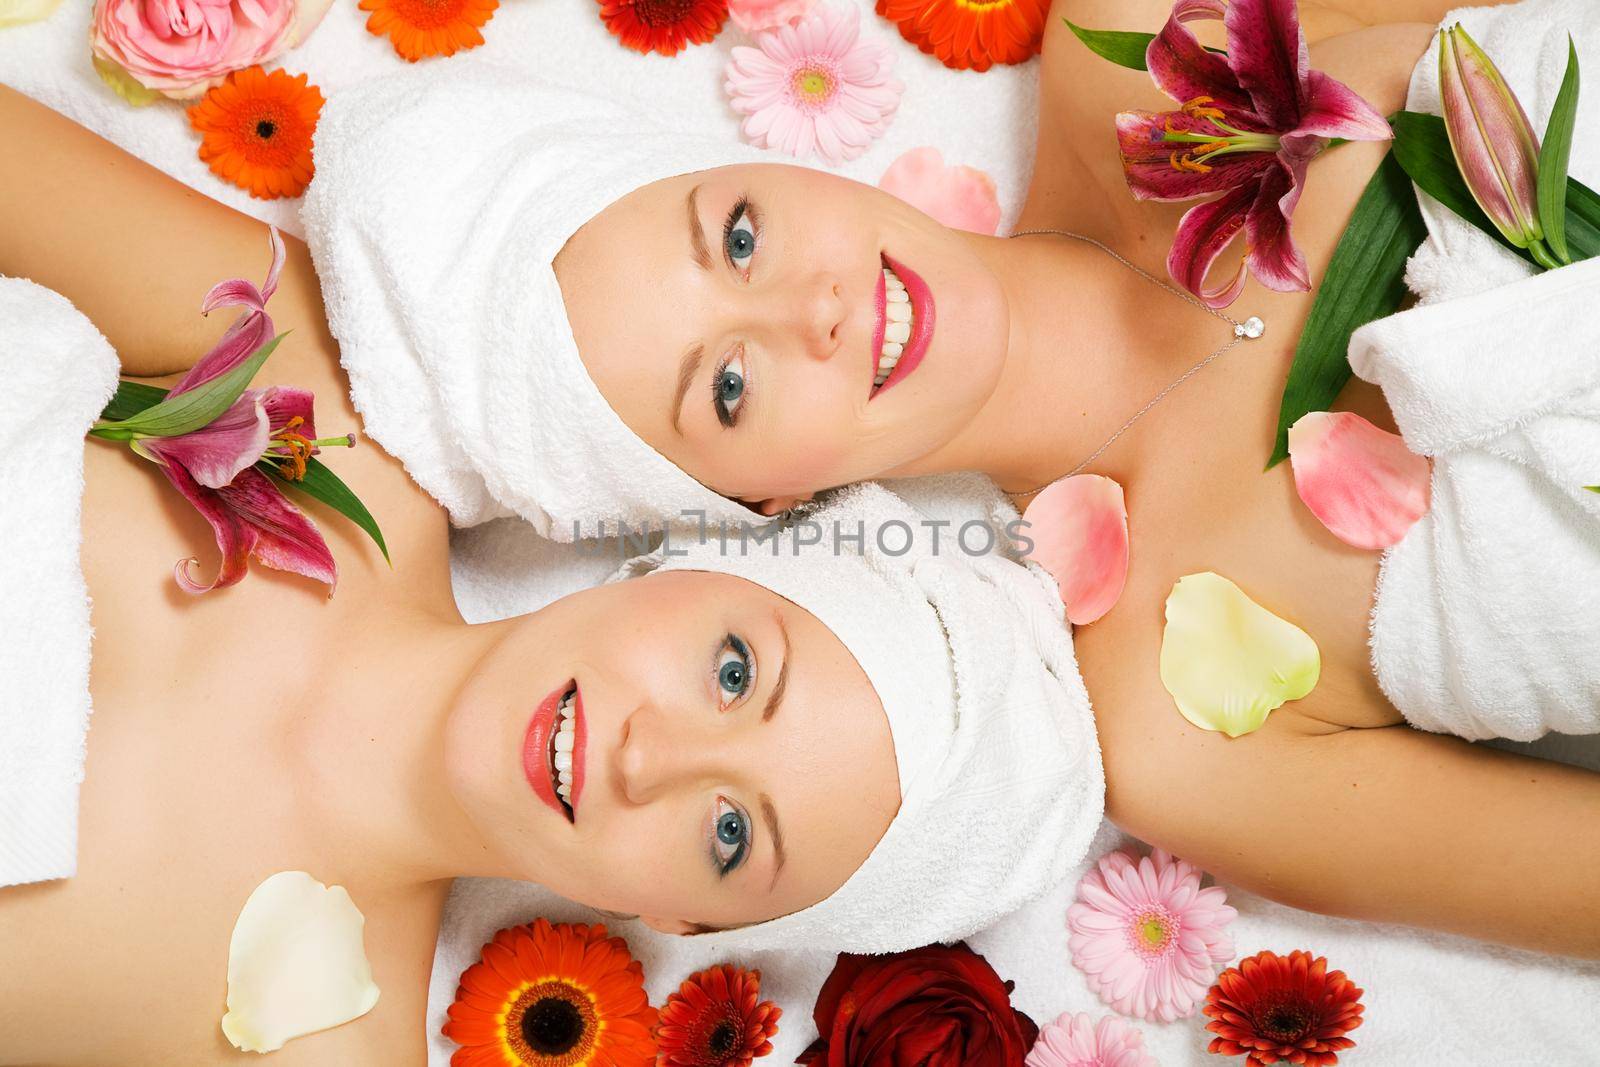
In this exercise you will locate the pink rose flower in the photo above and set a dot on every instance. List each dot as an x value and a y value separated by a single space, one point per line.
181 48
753 16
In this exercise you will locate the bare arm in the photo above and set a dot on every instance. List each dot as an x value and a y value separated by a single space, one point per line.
1386 824
131 248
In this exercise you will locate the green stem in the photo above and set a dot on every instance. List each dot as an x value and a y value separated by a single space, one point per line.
1542 255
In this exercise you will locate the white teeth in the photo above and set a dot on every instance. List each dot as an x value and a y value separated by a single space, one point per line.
564 791
563 761
898 315
565 738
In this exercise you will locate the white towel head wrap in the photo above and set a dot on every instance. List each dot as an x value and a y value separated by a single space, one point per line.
442 196
1001 784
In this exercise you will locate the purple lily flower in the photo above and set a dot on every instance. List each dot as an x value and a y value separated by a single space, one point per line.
214 467
1250 123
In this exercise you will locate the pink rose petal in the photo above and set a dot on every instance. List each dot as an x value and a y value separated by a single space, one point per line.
962 198
1362 482
1079 528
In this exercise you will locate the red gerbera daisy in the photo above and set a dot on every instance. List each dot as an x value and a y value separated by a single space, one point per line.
1287 1008
971 34
716 1019
552 996
663 26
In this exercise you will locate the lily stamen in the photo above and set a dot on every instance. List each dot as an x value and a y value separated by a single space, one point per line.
291 451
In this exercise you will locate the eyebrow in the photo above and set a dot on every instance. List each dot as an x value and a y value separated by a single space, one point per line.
769 815
775 698
697 233
688 367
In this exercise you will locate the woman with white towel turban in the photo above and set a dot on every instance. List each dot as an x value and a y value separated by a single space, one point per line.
600 320
770 748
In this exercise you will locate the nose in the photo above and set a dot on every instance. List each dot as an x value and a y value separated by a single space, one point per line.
816 314
661 752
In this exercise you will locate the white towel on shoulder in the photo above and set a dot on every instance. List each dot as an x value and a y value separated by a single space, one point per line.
1487 615
56 374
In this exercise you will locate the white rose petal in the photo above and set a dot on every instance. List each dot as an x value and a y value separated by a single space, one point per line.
296 963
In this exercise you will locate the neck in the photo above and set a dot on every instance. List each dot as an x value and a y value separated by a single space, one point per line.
1090 343
367 760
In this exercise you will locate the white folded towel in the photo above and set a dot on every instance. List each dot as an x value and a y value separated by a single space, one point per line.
56 374
1487 615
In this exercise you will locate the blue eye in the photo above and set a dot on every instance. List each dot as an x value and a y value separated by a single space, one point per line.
730 835
739 236
735 670
728 389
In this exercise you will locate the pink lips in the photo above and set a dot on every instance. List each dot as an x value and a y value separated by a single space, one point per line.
922 313
538 750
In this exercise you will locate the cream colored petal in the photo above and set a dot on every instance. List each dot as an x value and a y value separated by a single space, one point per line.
1228 661
16 12
296 963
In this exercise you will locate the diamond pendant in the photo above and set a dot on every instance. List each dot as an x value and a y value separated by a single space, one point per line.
1251 328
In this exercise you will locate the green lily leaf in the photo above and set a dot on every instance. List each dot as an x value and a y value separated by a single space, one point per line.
320 483
1125 48
1553 155
189 411
130 399
1365 281
1583 220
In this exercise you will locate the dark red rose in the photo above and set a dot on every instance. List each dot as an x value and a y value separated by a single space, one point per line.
939 1006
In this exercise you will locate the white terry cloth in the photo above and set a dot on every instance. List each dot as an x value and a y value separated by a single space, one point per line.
1000 779
987 120
56 374
1487 615
442 196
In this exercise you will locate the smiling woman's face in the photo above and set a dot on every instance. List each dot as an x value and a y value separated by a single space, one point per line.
687 746
776 330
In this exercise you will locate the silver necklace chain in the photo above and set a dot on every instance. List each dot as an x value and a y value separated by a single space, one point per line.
1247 330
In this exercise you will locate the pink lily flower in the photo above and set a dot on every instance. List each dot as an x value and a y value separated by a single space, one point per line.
214 467
1365 485
1250 123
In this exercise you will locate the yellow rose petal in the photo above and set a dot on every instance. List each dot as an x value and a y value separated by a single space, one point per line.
16 12
122 83
1228 661
296 963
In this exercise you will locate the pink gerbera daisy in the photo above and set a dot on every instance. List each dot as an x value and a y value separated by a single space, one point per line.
1147 937
814 86
1079 1041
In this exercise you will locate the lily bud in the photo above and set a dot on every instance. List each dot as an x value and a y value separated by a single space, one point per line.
1493 142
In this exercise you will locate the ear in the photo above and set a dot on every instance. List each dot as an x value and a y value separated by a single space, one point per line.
777 505
675 927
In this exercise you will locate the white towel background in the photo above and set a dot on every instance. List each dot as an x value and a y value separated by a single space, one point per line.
1431 999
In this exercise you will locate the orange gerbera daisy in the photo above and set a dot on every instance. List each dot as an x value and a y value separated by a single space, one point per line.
971 34
663 26
553 996
716 1019
420 28
256 131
